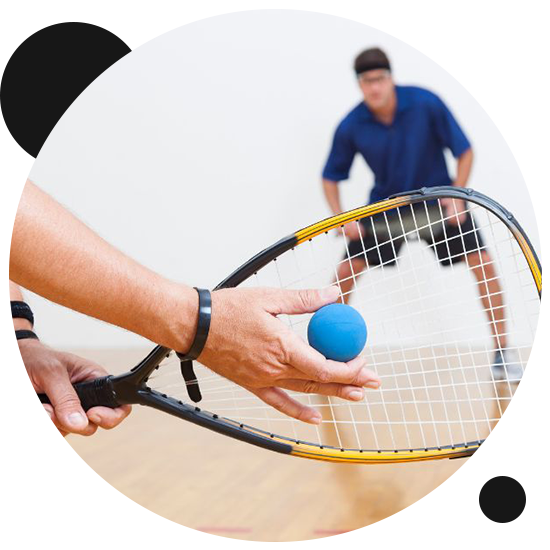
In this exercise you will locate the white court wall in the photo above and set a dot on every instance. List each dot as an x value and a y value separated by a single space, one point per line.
206 144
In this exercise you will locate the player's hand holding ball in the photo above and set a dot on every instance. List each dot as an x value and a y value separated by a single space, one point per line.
271 357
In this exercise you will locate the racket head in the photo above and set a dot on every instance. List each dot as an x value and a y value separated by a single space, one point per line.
439 398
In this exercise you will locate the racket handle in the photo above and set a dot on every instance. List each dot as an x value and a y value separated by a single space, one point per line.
94 393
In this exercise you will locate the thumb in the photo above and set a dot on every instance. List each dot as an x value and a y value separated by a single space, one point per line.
305 301
66 404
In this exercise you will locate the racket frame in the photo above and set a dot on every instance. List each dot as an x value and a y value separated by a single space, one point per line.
131 388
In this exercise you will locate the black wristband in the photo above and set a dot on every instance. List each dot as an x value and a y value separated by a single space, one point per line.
203 326
186 359
21 310
23 334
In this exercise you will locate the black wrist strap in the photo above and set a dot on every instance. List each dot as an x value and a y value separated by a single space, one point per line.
23 334
21 310
203 327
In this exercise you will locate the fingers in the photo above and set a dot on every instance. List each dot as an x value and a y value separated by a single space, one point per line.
102 417
457 219
455 211
354 231
282 402
61 426
107 418
351 393
68 413
49 410
54 372
309 364
354 372
302 301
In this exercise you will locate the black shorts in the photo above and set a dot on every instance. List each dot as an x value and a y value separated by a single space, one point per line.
385 234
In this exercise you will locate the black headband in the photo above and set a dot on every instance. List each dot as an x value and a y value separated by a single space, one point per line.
372 66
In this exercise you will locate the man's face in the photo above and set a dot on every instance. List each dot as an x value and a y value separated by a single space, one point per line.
377 87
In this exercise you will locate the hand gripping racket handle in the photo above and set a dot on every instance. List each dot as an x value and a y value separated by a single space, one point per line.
95 393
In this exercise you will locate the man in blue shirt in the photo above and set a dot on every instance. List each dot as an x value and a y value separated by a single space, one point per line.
402 133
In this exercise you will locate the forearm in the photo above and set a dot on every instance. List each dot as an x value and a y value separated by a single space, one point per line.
15 292
332 194
464 168
58 257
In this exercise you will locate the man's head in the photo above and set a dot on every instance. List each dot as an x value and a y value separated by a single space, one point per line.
373 71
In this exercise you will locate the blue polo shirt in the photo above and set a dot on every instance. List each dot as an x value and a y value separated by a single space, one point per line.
405 155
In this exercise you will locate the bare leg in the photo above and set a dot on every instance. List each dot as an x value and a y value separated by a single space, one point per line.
347 273
490 291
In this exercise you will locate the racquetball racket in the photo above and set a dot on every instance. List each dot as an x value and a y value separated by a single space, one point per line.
449 286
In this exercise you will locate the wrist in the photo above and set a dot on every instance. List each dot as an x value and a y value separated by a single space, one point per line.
458 183
29 342
22 324
181 317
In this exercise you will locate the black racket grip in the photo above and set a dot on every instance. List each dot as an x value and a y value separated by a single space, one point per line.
95 393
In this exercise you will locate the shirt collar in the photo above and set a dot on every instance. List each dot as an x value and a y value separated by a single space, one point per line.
403 103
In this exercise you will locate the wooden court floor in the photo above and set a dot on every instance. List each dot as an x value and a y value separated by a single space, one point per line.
211 483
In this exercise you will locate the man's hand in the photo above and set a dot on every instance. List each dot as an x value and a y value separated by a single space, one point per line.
455 210
354 231
53 373
251 347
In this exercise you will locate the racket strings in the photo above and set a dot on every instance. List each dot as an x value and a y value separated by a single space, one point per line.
383 266
215 384
380 392
433 330
356 275
226 406
403 235
525 271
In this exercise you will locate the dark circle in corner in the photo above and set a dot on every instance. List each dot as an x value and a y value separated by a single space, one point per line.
502 499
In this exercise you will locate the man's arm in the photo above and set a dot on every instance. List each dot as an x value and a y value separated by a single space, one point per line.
332 194
337 166
17 296
54 372
464 168
60 258
455 208
57 256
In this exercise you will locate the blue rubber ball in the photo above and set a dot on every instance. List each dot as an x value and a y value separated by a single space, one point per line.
338 331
